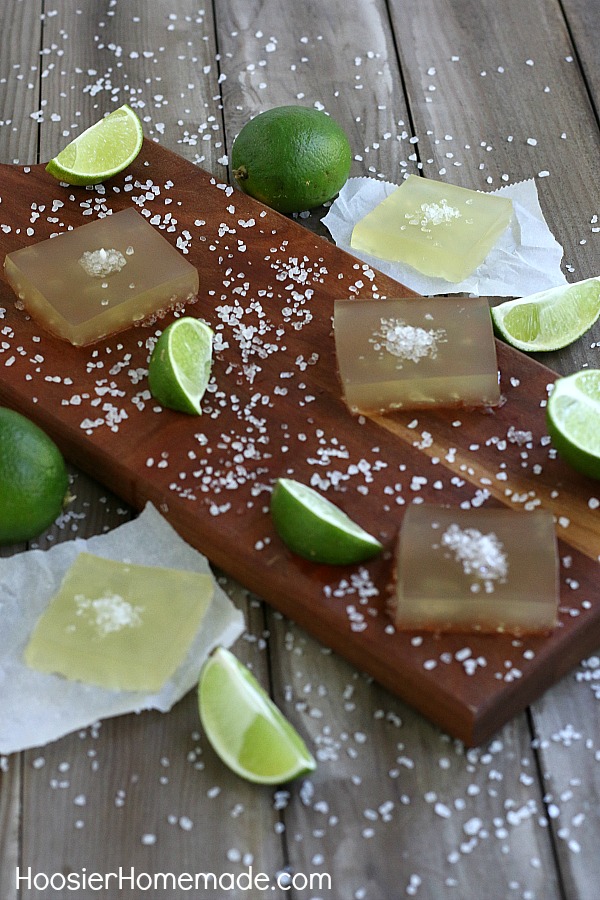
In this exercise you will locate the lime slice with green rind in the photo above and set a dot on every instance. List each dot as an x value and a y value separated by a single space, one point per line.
573 420
180 365
315 528
101 151
551 319
245 728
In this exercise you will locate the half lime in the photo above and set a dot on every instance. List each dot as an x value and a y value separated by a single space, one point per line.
101 151
315 528
245 728
180 365
573 420
551 319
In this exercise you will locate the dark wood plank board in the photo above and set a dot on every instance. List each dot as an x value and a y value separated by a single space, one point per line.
268 286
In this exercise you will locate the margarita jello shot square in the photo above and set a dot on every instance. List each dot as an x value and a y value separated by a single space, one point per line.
439 229
486 570
416 353
120 626
100 278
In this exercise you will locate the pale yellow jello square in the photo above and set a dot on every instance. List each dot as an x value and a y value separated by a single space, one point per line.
439 229
482 569
121 626
416 353
100 278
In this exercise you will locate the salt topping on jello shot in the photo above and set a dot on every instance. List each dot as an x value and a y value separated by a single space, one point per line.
416 353
100 278
485 569
439 229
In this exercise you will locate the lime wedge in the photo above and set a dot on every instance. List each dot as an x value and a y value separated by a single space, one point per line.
313 527
245 728
551 319
573 420
101 151
180 364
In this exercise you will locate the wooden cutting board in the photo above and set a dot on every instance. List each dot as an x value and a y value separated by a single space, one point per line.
267 287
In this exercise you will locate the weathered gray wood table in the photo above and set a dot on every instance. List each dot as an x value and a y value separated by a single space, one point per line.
481 93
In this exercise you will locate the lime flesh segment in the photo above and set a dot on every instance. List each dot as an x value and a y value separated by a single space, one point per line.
551 319
101 151
245 728
573 420
316 529
180 365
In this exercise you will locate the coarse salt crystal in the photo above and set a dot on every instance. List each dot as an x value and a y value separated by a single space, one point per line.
110 613
100 263
407 341
480 554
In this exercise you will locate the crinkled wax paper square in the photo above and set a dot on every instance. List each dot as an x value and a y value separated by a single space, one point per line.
36 708
526 259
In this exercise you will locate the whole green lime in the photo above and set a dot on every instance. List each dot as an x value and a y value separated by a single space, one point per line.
33 479
291 158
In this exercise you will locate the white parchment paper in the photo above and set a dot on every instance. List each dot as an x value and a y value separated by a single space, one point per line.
36 708
525 260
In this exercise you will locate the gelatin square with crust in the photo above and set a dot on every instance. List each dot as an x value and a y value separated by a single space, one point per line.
416 353
100 278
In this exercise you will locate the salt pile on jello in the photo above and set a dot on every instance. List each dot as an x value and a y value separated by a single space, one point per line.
36 708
